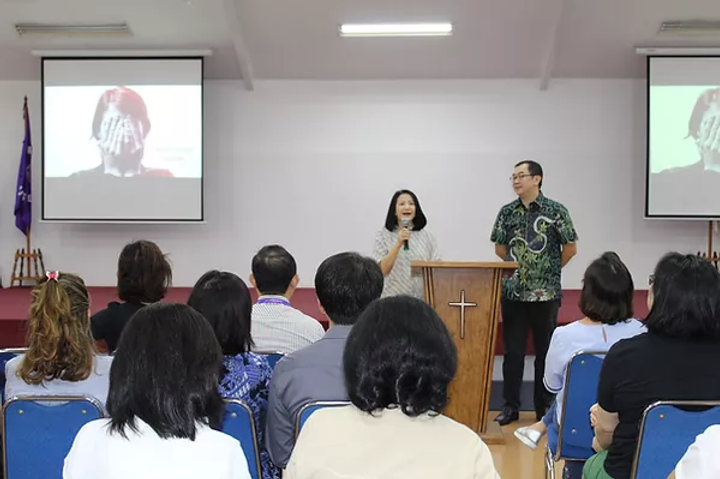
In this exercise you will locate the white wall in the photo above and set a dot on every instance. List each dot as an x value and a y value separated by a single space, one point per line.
312 165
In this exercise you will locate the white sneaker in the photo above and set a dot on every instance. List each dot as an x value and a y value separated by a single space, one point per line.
529 437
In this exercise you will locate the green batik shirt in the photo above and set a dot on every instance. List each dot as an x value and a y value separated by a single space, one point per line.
534 238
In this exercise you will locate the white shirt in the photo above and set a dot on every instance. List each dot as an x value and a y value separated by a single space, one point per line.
344 443
701 460
572 338
96 454
278 327
421 247
96 385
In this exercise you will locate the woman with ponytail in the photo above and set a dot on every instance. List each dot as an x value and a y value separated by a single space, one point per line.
61 358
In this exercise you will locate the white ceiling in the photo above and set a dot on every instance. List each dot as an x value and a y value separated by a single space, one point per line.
297 39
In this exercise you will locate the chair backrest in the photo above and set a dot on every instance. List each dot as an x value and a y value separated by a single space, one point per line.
238 422
667 429
272 356
309 408
39 431
580 393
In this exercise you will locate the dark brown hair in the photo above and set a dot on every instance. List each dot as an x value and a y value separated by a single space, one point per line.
608 290
144 273
60 344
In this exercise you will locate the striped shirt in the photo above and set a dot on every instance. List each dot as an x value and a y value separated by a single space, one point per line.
422 247
278 327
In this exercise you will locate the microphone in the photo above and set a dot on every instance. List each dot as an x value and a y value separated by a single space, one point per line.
405 222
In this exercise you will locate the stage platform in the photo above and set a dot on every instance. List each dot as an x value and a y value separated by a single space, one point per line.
15 304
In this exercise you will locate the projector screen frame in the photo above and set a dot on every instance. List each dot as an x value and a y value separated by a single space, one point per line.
44 219
648 86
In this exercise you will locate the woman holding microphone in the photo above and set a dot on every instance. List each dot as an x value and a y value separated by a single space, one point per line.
404 239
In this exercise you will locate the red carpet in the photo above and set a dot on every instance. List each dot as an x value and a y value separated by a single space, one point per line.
15 303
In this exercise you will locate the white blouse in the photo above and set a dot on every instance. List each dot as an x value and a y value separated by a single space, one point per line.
96 454
421 247
344 442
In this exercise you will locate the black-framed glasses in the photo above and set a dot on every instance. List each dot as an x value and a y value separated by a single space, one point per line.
520 176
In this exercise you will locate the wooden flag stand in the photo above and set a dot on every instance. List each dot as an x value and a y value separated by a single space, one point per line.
27 258
710 255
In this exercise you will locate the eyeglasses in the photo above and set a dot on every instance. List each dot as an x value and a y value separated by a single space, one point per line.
651 279
519 177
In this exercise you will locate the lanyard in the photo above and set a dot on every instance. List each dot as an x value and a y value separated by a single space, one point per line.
282 301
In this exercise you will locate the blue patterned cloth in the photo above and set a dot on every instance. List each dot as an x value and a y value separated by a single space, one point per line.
248 379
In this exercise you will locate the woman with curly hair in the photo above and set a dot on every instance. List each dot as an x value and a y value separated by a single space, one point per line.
399 360
61 358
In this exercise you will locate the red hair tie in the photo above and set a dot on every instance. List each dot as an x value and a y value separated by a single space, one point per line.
52 275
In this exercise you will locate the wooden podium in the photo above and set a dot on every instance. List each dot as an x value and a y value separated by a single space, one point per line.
467 298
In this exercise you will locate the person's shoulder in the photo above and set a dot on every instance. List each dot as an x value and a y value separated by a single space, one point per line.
452 428
13 365
94 430
553 205
509 208
217 440
103 363
629 346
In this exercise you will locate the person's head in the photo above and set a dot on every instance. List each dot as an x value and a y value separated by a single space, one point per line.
527 178
399 354
702 126
684 298
274 271
345 284
166 372
144 273
120 127
608 290
60 344
224 300
404 204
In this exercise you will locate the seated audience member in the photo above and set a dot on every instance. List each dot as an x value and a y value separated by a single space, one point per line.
277 326
606 301
225 302
398 362
143 277
61 359
675 360
701 460
163 399
345 284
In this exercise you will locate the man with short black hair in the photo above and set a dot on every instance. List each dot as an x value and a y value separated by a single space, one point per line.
538 233
346 284
276 325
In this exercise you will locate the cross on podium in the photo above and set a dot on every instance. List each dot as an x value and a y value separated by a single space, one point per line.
462 305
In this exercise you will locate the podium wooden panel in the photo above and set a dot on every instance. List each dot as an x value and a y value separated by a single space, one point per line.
467 298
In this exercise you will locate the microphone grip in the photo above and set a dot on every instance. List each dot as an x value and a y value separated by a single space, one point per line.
407 245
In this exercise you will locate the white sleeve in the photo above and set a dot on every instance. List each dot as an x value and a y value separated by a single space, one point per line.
701 460
238 463
80 463
380 250
434 250
484 466
555 364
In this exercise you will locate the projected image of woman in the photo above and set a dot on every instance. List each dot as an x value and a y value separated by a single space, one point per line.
692 189
120 128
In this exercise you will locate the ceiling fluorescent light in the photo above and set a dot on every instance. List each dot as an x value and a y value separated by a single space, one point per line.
72 30
697 27
395 29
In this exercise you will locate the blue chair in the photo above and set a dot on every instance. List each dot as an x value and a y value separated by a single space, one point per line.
39 431
238 422
575 434
310 408
667 429
272 357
